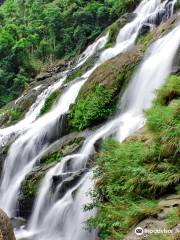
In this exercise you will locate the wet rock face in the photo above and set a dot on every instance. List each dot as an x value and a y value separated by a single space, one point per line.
3 154
6 229
62 183
176 63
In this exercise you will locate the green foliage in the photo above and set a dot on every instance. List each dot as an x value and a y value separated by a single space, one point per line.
49 102
163 118
169 91
98 96
114 30
173 217
31 185
45 31
162 237
97 106
51 158
15 114
145 39
132 176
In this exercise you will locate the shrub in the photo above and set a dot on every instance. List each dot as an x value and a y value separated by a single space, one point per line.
132 176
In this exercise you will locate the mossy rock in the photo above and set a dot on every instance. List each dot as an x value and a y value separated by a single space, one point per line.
114 30
29 190
99 95
59 150
49 102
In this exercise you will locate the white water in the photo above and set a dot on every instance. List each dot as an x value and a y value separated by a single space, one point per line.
8 133
146 12
136 98
35 138
21 158
92 49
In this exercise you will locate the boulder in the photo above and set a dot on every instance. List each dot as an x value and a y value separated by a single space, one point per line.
62 183
6 228
42 76
145 29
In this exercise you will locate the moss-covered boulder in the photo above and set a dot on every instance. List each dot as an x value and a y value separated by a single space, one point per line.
67 145
29 190
98 97
6 229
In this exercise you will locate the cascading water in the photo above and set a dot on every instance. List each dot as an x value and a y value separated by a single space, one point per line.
136 98
39 137
93 48
146 13
24 152
6 134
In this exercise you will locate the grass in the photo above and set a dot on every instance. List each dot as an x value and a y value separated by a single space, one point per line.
131 177
49 102
145 40
173 217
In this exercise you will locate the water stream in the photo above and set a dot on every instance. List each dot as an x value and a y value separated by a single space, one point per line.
52 215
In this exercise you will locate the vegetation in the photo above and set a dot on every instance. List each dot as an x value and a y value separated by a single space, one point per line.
132 176
98 97
10 115
93 109
145 39
31 184
36 32
114 30
49 102
51 158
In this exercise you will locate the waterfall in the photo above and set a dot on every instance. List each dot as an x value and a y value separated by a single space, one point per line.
59 213
8 133
40 133
137 97
35 138
147 12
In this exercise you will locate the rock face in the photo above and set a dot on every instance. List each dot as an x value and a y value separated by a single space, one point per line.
66 145
6 229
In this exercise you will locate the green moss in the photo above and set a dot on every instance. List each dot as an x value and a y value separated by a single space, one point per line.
15 114
49 102
173 217
169 91
131 177
31 185
114 30
93 109
65 149
162 237
98 97
51 158
163 118
145 40
10 115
